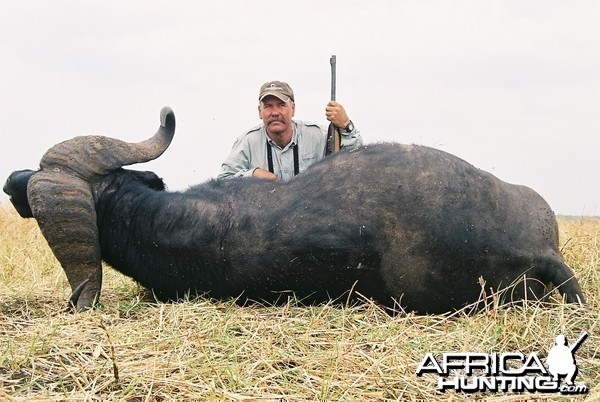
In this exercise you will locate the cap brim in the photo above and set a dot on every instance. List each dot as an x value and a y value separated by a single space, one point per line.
278 95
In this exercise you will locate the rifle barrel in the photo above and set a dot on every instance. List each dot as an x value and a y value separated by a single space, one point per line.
579 341
332 62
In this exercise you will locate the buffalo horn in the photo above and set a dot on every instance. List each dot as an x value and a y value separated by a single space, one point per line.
93 155
63 206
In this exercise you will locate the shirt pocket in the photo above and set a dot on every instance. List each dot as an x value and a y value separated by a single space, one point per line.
309 158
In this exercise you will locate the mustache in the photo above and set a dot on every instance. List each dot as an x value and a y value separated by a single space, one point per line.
275 118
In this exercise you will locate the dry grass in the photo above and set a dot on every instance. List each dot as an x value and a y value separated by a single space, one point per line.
135 349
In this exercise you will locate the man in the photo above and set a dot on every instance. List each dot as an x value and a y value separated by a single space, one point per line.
281 147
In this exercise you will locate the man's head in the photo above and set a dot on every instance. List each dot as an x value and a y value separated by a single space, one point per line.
278 89
276 108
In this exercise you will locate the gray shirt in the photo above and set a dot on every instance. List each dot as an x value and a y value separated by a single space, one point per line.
250 151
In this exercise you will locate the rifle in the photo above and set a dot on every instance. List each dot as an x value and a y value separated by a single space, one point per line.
333 136
578 342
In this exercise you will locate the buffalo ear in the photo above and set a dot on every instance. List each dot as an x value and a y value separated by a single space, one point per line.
16 188
150 179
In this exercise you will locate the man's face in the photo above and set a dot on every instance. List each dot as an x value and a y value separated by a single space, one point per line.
276 114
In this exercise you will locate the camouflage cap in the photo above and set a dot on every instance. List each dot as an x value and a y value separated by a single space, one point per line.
276 88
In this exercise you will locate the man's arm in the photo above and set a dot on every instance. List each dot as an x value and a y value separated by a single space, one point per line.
352 139
237 164
259 173
337 115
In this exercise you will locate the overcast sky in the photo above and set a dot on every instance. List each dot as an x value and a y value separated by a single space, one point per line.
513 87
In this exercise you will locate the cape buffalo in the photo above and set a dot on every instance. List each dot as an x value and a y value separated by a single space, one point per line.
406 225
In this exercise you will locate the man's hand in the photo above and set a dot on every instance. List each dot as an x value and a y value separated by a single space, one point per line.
336 114
264 174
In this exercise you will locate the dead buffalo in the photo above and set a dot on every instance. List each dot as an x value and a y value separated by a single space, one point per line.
408 226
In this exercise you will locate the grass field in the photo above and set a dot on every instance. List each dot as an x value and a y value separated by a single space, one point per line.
132 348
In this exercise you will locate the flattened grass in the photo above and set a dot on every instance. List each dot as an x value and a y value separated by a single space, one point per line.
132 348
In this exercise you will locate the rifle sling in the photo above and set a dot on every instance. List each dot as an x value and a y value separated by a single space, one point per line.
270 159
